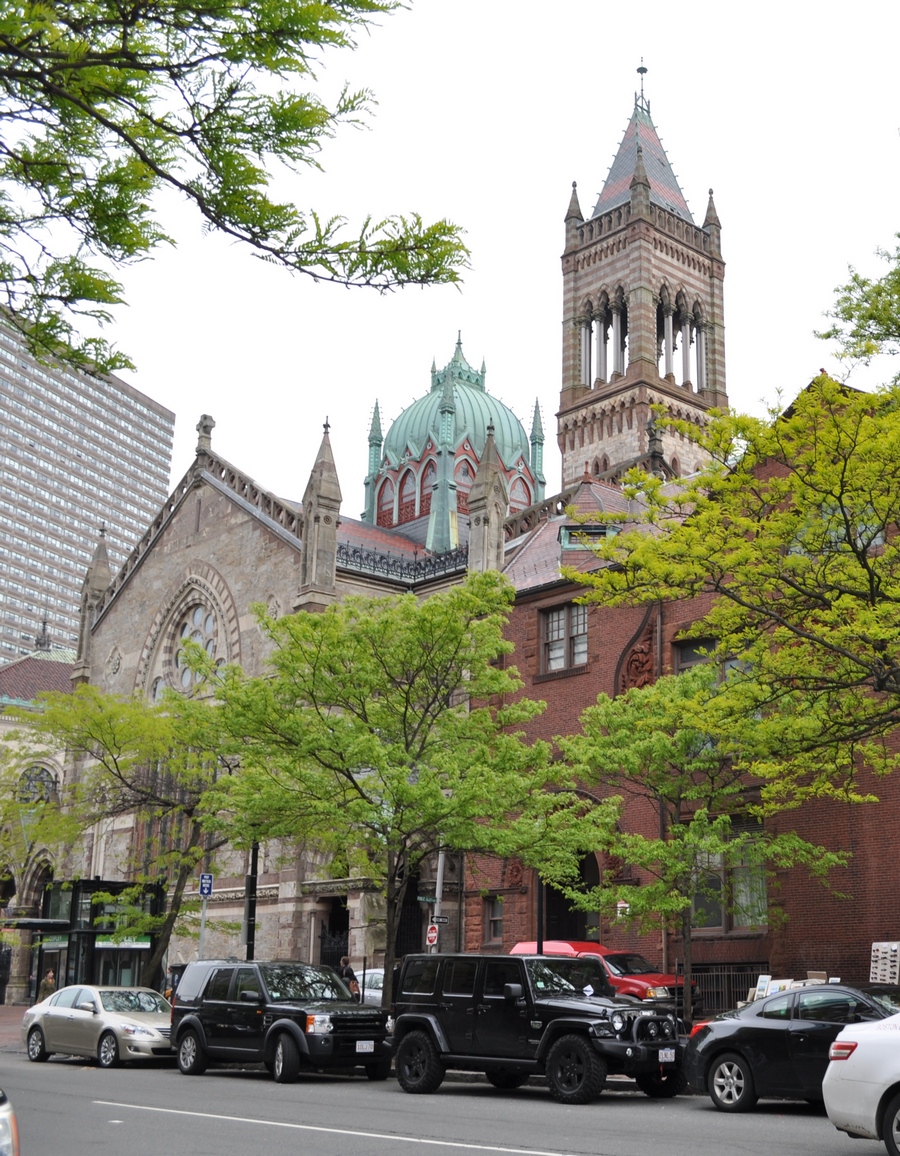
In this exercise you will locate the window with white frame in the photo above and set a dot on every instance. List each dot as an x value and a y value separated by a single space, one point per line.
564 638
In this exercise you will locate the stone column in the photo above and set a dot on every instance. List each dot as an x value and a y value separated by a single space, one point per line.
618 351
586 352
686 350
600 339
701 357
669 342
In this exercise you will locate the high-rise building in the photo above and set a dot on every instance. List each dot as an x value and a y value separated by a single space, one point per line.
77 452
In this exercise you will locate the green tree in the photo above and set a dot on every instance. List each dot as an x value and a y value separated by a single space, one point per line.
384 731
708 853
866 314
791 529
153 764
102 105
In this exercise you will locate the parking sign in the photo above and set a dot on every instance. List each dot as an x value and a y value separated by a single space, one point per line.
206 882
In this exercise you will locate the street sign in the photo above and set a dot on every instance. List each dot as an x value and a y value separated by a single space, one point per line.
426 898
206 882
440 919
431 935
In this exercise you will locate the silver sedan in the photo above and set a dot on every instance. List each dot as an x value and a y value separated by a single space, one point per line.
112 1024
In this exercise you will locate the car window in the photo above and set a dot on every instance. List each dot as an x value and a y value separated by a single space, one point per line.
299 981
497 973
246 980
220 981
832 1007
126 1002
375 980
419 976
777 1009
66 998
459 976
623 963
581 977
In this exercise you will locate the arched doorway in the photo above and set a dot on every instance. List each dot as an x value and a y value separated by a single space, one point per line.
561 920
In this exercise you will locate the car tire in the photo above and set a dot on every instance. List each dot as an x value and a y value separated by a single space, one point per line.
506 1080
419 1067
286 1060
890 1126
575 1072
108 1051
730 1084
662 1085
37 1049
379 1071
192 1060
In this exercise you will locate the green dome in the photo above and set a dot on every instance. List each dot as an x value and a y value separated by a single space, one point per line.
473 411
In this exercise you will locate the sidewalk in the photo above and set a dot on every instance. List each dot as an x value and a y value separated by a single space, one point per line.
11 1028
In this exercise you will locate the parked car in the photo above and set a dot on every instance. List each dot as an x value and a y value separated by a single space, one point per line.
627 971
512 1015
113 1024
371 985
9 1130
286 1015
861 1088
778 1046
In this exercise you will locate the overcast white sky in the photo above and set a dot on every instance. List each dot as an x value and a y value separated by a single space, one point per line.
487 111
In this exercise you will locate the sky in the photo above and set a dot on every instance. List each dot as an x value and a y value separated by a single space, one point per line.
487 111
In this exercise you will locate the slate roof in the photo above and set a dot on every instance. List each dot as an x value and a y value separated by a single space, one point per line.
664 188
24 678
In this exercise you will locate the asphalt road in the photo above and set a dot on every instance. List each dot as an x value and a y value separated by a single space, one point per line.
69 1107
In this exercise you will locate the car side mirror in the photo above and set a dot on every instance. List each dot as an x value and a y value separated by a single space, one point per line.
512 991
87 1005
250 997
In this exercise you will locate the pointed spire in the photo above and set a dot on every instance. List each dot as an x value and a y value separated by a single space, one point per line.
713 226
99 573
323 479
537 426
712 217
573 213
375 434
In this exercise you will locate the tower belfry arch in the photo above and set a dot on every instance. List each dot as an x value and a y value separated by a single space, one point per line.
643 316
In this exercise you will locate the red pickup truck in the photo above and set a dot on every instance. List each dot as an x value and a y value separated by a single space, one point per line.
628 972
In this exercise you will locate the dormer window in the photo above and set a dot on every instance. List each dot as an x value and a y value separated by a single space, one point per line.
584 537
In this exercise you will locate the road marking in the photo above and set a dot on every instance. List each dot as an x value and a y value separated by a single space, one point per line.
334 1131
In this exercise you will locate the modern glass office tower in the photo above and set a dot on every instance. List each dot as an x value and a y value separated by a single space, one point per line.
77 453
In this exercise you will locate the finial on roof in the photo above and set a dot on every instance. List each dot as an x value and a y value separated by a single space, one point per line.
326 427
204 427
102 530
375 434
42 640
639 99
537 426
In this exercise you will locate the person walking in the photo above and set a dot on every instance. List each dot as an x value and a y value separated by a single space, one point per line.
48 985
348 975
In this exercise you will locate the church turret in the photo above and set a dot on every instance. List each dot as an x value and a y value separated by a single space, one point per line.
96 583
488 507
321 518
643 315
376 440
574 218
537 453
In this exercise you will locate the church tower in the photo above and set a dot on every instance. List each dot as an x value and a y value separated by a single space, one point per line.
643 319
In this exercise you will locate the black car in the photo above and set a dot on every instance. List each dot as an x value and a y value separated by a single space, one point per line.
778 1046
509 1016
287 1016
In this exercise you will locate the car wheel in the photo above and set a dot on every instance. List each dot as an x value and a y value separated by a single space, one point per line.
379 1071
890 1127
419 1067
730 1084
108 1051
662 1085
37 1051
192 1059
286 1065
575 1072
506 1080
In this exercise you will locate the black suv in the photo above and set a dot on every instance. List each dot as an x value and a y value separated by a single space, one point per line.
284 1015
513 1015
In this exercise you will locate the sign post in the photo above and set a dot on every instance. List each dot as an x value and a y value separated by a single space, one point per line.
206 887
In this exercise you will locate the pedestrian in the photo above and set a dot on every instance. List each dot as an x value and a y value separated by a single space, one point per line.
48 985
348 975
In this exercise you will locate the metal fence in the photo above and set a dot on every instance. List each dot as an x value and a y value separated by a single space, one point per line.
724 986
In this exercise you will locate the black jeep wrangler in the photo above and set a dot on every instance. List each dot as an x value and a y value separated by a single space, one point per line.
283 1015
511 1016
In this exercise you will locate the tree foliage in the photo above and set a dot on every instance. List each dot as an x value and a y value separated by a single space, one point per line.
866 314
152 766
707 849
102 105
383 732
792 528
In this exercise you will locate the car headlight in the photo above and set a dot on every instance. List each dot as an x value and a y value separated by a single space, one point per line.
9 1132
389 1025
653 1029
136 1030
619 1021
657 993
319 1025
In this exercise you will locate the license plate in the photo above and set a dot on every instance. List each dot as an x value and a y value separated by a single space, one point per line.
369 1046
667 1055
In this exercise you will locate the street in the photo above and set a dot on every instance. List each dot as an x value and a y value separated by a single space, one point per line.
68 1106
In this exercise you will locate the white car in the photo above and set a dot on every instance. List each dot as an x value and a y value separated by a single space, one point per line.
371 983
862 1083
